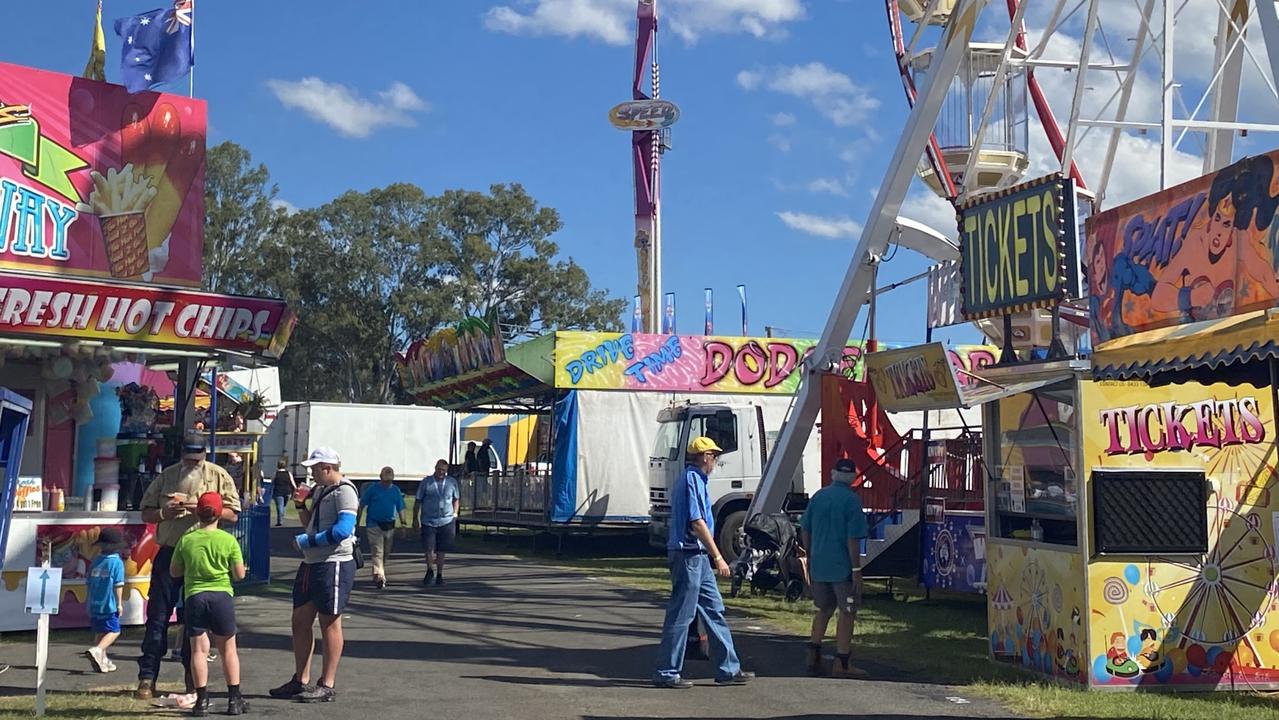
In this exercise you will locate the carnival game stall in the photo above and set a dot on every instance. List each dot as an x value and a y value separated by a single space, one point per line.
101 257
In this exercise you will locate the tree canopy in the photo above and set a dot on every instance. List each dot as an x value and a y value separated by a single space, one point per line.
368 272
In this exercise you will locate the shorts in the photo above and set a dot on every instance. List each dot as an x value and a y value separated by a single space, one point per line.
831 596
212 611
439 539
105 624
327 585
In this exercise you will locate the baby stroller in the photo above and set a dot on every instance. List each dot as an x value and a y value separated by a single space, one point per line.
770 558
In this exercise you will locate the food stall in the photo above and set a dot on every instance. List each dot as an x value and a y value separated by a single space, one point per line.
1132 509
101 254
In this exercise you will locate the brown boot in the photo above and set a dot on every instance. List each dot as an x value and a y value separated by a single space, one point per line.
145 691
844 668
814 663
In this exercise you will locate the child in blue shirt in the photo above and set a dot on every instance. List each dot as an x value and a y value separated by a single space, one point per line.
106 595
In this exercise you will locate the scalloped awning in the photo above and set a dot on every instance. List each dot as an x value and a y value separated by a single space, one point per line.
1208 343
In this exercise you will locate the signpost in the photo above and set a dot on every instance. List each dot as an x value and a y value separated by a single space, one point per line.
44 592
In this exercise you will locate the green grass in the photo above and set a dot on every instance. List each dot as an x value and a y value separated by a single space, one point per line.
111 701
943 640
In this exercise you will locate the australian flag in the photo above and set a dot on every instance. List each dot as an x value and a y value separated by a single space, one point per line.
158 46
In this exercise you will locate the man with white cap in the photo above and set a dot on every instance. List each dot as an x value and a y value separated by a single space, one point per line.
694 561
170 503
833 527
324 580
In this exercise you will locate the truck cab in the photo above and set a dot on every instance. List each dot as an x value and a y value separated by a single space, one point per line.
739 429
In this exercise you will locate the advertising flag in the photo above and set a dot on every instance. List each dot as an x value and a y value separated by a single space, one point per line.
741 292
710 313
668 316
96 67
637 317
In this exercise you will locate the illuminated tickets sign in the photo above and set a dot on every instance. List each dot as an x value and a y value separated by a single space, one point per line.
1019 248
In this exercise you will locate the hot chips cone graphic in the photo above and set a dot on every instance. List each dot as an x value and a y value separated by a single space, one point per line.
120 199
126 239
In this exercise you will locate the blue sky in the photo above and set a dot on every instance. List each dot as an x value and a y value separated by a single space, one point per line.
789 108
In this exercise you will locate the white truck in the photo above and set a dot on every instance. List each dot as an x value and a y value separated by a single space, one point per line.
409 438
746 430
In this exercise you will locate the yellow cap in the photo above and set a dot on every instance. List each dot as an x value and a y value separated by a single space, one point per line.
703 444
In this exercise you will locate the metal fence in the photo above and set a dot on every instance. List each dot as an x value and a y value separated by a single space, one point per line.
253 531
514 496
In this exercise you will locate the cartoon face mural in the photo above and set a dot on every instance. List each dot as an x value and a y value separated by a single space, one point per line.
1202 250
1194 622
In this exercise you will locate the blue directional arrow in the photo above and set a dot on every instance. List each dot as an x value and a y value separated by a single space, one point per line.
44 581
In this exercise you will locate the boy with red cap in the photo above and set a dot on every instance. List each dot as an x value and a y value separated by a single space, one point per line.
209 560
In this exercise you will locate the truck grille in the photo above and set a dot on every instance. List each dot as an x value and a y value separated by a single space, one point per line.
659 505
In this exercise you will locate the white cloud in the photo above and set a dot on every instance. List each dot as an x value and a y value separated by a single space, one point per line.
611 21
821 226
927 207
345 110
782 119
779 141
832 93
828 185
282 204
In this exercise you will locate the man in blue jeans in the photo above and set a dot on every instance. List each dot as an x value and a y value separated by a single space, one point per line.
694 562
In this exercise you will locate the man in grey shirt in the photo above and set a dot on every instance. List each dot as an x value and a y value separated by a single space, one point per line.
323 583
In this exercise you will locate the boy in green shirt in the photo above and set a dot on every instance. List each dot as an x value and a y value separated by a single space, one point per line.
208 560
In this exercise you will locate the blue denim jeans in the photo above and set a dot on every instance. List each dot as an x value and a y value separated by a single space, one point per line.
279 500
694 593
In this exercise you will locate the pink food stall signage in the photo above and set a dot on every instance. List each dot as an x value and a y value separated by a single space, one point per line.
141 315
97 182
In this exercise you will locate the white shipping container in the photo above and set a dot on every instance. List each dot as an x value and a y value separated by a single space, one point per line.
409 438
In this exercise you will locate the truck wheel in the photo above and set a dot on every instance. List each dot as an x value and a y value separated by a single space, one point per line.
729 540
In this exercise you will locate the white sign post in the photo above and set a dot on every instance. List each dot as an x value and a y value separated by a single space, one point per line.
44 590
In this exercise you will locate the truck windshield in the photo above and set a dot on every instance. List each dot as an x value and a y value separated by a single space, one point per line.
667 445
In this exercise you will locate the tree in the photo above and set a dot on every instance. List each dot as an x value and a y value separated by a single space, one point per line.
239 215
501 263
361 271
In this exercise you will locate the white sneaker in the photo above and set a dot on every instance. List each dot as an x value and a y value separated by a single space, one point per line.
111 665
97 658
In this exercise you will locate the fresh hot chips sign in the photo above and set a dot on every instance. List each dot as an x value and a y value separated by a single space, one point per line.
132 314
97 182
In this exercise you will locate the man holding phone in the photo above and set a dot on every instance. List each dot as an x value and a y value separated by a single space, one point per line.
170 503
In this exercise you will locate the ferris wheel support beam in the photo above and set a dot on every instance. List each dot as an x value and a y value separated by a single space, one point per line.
1001 74
1125 96
1169 87
1225 101
1081 78
785 460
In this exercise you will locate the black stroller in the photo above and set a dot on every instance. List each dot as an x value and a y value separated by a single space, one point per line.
770 558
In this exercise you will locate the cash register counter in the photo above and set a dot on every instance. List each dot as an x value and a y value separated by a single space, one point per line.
70 537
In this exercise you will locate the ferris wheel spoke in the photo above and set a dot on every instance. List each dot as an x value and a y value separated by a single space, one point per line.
1180 564
1249 583
1229 621
1217 556
1229 601
1242 563
1179 583
1199 603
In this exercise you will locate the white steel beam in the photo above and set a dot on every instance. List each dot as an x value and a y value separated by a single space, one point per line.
1081 78
1168 84
978 137
1068 64
789 450
1112 146
1231 25
1268 16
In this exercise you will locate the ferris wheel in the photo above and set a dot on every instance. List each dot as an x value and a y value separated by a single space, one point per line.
1094 75
1105 91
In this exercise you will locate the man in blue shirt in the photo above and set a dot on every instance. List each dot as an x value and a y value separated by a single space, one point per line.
833 527
383 502
438 497
694 562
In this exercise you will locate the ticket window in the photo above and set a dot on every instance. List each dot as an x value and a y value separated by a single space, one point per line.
1030 465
